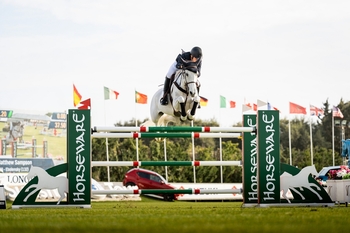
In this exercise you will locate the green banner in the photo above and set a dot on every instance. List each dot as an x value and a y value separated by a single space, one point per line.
79 159
268 139
250 184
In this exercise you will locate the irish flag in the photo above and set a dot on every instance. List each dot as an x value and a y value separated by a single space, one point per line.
110 94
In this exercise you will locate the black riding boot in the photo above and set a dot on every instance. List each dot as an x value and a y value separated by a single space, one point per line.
164 99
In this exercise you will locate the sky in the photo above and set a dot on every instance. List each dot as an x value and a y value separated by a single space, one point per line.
274 51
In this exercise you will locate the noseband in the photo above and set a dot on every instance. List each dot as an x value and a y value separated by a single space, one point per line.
184 74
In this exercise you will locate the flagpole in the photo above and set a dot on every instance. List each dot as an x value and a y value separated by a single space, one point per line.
107 151
311 145
220 143
137 140
333 137
290 143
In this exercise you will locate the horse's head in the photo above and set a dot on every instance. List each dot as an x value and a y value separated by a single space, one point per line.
189 82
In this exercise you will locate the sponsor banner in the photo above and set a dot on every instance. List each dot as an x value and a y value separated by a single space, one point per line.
20 165
269 156
250 161
79 159
14 182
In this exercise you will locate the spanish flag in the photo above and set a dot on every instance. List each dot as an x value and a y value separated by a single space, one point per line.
86 104
76 96
203 101
140 98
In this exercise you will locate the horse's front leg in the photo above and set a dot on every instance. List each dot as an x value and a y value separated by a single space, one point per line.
183 112
196 100
180 106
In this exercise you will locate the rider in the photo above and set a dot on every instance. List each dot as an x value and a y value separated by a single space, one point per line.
189 60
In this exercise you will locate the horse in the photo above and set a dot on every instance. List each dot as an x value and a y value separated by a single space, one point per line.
300 180
184 100
345 149
46 181
15 132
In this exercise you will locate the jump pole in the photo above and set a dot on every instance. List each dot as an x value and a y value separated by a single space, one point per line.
164 163
78 166
172 129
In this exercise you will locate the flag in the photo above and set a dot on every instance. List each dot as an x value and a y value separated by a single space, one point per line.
314 111
110 94
86 104
337 112
76 96
203 101
252 106
140 98
232 104
222 102
246 108
270 107
296 109
261 103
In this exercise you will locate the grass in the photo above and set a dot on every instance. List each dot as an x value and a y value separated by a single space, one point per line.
155 216
56 145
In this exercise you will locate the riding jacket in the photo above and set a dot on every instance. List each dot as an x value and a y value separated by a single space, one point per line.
184 60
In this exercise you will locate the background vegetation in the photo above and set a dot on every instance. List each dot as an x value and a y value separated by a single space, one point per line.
180 149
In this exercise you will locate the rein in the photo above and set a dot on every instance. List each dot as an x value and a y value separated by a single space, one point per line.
186 83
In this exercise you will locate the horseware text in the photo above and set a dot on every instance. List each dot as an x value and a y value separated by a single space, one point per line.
253 195
270 167
80 158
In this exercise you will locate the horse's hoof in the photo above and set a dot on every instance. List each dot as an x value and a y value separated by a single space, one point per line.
183 118
190 118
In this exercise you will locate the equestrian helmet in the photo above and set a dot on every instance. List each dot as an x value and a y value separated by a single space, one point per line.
196 52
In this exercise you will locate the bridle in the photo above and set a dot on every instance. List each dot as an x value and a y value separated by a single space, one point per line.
184 75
